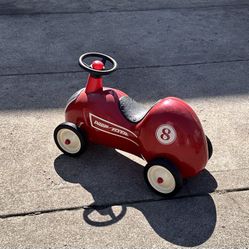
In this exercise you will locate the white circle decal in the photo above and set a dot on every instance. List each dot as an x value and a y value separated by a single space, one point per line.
165 134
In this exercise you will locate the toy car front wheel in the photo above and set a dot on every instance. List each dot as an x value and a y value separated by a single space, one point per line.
70 139
163 177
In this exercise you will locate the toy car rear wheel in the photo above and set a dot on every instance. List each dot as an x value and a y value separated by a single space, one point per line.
163 177
70 139
210 147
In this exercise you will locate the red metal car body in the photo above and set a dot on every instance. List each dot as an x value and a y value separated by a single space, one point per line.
169 130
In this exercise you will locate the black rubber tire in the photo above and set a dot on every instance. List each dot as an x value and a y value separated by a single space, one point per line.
173 170
82 137
210 147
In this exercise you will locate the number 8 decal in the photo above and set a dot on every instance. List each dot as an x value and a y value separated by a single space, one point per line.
165 134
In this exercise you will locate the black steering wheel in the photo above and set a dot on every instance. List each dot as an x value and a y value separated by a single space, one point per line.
104 58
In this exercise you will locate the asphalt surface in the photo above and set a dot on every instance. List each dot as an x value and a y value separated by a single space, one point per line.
196 50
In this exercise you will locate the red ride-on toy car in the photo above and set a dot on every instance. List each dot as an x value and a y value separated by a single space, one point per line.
168 135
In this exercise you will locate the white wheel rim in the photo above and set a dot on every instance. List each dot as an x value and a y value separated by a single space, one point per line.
161 179
69 141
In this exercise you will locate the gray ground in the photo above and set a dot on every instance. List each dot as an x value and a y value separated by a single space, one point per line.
197 50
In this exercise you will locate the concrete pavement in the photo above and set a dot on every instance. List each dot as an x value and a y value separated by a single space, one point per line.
52 42
220 221
196 50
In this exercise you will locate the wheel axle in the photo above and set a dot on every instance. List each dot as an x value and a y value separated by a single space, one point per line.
67 142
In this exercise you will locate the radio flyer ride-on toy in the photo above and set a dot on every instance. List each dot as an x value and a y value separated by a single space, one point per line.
168 134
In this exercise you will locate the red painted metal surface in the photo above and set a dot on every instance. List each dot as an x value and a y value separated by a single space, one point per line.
95 84
170 129
98 65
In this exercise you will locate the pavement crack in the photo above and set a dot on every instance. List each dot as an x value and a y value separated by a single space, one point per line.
126 203
40 73
130 68
12 13
45 211
231 190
